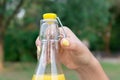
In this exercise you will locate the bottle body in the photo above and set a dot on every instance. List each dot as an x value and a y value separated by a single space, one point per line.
49 67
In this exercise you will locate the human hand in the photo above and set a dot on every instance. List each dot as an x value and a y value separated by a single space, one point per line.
75 55
72 53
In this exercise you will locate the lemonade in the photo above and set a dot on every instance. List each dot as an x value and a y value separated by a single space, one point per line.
49 77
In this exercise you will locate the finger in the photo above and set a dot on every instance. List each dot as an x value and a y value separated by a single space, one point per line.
68 44
37 42
66 31
70 41
65 42
38 52
38 49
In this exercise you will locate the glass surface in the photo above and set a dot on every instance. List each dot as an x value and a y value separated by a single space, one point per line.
49 67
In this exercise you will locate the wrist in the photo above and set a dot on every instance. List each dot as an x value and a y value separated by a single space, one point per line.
90 64
92 71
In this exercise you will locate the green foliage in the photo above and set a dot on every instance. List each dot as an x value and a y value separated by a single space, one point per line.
115 40
20 45
87 19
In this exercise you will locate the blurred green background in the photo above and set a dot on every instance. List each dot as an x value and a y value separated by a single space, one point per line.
95 22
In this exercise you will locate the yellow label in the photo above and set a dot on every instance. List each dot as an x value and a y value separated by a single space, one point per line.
49 77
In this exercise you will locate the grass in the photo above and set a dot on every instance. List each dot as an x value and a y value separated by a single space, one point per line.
112 70
24 71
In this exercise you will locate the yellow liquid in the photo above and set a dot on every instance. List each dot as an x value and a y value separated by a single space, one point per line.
49 77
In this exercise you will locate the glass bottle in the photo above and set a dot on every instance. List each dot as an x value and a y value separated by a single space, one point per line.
49 67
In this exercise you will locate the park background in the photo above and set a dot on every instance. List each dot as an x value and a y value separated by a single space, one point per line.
95 22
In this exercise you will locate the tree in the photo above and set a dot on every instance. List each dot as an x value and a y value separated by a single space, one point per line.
5 6
10 8
89 19
115 13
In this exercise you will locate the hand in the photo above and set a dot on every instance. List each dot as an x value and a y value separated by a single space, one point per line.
73 53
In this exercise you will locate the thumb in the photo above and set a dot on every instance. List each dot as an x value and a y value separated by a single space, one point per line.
65 42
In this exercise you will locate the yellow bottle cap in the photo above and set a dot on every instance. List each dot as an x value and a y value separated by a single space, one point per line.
49 16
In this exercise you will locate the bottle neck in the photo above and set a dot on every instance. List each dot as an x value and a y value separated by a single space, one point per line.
49 29
49 54
49 50
49 35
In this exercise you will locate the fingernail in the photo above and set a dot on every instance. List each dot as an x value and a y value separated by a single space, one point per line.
65 42
38 49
